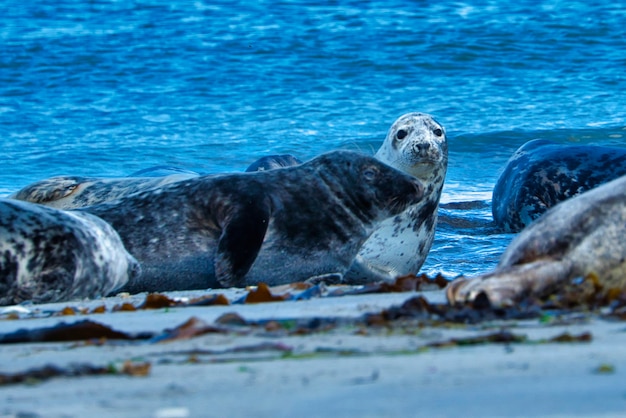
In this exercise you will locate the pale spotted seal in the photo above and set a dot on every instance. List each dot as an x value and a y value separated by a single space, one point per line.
577 237
275 226
415 144
49 255
71 192
541 174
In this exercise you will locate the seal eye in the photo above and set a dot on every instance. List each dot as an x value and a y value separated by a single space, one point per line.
370 174
438 132
401 134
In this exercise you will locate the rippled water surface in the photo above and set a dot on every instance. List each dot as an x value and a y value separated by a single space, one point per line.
105 88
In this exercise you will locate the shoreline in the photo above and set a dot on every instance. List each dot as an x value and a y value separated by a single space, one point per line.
263 369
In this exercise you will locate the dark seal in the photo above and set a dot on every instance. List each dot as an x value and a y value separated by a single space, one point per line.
276 226
580 236
49 255
541 174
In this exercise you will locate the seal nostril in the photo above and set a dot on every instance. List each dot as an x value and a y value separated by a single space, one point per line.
424 146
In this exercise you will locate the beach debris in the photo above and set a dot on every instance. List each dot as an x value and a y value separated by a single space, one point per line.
566 337
40 374
159 301
408 283
263 294
499 337
604 368
473 312
64 332
193 327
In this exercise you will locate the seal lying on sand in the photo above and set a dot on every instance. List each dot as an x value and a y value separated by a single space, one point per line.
415 144
541 174
71 192
577 237
48 255
275 226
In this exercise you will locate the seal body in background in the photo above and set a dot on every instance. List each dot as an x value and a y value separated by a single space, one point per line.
580 236
272 162
542 173
49 255
275 226
72 192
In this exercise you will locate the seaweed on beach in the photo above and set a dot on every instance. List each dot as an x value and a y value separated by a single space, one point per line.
263 294
63 332
477 311
407 283
193 327
297 326
40 374
499 337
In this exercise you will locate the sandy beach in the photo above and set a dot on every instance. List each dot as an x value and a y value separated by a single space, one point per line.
326 363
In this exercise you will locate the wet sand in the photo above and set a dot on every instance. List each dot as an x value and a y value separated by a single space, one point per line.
347 369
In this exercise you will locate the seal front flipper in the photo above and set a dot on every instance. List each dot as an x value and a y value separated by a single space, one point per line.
240 243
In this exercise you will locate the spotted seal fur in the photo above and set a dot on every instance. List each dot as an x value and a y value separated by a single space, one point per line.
275 226
49 255
72 192
542 173
577 237
417 145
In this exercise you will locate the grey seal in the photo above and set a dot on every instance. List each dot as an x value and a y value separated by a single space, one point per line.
579 236
542 173
72 192
417 145
275 226
49 255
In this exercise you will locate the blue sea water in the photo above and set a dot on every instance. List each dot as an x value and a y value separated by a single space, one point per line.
109 87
